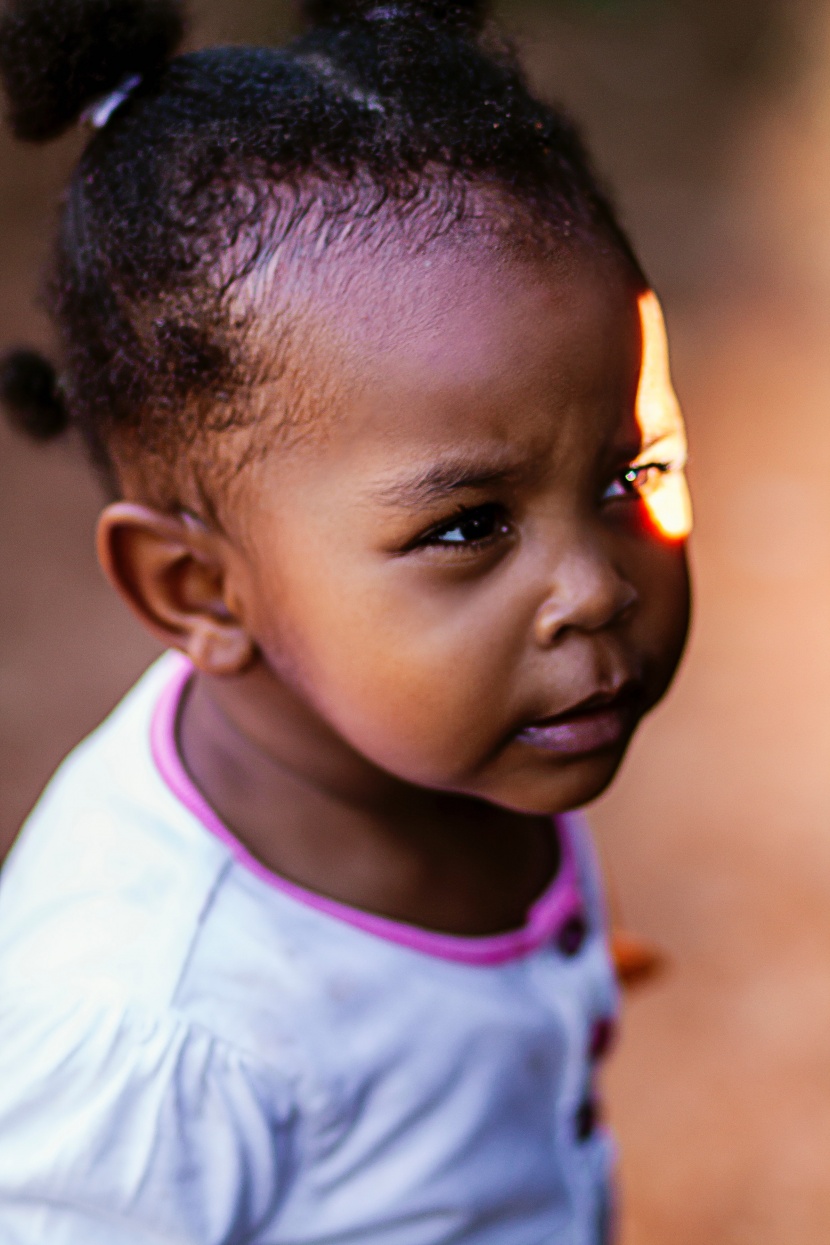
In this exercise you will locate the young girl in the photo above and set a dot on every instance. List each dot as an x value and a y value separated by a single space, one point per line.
304 944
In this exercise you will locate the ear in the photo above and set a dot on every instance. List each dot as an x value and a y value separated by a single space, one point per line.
174 572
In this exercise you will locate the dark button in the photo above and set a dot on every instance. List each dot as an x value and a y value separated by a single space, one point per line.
602 1038
586 1119
572 935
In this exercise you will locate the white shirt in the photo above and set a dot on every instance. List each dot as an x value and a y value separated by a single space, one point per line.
193 1050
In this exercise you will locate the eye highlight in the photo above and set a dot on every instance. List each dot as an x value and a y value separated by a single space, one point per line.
471 528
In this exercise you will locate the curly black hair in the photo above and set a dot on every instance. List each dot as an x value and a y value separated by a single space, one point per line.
212 162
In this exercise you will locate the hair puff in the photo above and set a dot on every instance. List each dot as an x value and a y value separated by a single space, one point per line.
31 393
458 14
59 56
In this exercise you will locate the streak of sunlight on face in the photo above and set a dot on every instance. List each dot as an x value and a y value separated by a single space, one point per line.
666 494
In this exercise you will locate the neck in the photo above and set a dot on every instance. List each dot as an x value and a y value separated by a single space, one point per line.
314 811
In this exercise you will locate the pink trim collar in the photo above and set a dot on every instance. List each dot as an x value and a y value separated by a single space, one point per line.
553 909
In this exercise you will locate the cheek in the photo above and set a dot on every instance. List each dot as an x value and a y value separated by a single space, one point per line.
661 577
412 680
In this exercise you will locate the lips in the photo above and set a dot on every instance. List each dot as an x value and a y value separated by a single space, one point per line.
600 722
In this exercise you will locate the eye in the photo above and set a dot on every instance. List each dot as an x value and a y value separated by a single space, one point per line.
635 481
470 528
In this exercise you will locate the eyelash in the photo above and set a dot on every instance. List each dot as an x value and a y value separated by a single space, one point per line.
629 489
628 481
467 515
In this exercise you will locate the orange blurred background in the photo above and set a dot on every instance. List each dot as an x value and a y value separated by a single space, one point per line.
712 120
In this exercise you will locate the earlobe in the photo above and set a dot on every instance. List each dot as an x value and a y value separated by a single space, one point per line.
174 572
220 650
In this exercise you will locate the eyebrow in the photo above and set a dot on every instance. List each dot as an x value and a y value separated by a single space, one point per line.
443 480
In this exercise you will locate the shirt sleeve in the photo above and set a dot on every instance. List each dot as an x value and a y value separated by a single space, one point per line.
120 1126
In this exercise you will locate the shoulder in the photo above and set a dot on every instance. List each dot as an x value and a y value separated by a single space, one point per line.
111 876
108 1112
118 888
117 893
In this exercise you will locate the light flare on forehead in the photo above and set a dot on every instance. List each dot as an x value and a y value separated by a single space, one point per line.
660 420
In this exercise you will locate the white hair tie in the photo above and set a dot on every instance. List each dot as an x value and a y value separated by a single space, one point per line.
98 114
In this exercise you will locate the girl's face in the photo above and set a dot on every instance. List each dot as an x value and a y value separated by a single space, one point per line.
456 574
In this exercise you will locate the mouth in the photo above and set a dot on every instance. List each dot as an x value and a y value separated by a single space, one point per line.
599 723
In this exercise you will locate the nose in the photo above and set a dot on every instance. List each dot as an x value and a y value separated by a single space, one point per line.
588 594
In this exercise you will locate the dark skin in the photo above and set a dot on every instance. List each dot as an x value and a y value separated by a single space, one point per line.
424 630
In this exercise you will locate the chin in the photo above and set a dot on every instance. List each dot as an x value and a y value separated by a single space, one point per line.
546 790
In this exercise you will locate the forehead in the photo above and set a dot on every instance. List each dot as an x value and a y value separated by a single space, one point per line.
468 351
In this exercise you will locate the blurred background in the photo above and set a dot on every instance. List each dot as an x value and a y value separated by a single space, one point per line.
711 118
